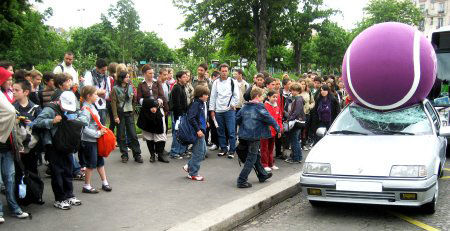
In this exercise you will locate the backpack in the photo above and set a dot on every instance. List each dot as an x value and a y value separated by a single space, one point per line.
29 182
107 142
67 137
184 132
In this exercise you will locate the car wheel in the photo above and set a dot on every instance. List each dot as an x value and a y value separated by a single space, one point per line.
316 203
430 207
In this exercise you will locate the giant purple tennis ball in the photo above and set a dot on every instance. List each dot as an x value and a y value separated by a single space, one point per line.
388 66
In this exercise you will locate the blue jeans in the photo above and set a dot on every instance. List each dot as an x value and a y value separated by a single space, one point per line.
253 161
227 120
76 167
198 154
177 148
7 172
295 144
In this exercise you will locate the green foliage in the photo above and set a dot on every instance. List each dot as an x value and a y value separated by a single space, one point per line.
202 45
331 44
150 41
32 42
84 62
378 11
125 16
94 40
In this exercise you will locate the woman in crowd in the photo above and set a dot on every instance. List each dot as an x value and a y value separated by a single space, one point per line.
326 108
123 111
309 105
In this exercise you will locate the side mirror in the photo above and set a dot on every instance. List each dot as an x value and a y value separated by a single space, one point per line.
322 131
444 131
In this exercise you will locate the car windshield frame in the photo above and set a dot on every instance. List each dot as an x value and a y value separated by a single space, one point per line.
412 120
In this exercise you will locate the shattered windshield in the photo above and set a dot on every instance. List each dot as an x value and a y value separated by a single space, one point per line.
405 121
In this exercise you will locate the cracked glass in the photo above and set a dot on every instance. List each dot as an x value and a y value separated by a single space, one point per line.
406 121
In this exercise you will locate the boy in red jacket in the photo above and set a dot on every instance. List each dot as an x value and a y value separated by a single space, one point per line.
267 145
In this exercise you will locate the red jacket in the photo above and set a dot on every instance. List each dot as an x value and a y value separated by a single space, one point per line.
275 113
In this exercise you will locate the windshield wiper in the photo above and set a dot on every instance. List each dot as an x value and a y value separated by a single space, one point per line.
348 132
395 132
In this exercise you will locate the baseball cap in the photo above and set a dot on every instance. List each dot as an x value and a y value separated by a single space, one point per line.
68 101
4 75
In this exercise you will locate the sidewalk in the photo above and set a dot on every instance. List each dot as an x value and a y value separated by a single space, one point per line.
150 196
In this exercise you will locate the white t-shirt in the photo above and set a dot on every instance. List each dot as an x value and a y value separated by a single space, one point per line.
69 70
105 85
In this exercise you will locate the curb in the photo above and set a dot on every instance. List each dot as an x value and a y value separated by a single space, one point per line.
235 213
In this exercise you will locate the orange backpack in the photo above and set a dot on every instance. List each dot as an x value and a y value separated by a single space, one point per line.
107 142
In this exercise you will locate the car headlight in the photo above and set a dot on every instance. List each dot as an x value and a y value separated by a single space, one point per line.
317 168
408 171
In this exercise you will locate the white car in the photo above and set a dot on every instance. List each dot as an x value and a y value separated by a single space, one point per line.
372 157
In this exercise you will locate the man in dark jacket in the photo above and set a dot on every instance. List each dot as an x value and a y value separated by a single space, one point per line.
251 130
179 102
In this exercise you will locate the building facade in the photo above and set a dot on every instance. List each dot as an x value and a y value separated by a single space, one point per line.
436 15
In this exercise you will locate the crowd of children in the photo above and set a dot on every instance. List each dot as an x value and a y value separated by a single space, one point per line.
263 119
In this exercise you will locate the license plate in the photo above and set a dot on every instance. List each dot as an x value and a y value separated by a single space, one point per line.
360 186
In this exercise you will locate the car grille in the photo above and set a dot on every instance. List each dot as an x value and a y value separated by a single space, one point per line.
361 195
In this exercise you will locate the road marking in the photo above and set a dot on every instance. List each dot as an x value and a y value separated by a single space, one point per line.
447 169
445 177
414 222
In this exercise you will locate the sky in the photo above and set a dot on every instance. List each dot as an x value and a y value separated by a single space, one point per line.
162 17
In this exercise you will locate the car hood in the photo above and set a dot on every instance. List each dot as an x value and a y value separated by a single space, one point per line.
372 155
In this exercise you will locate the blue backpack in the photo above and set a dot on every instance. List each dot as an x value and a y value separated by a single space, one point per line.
185 133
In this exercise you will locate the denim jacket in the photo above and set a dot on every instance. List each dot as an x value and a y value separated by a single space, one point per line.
197 115
45 120
90 132
254 121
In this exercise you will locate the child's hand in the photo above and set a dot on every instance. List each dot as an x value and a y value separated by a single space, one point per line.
200 134
153 109
103 131
279 135
57 119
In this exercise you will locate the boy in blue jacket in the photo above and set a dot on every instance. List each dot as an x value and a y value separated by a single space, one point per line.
197 117
254 121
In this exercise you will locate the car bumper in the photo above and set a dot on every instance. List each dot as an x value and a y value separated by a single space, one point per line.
389 195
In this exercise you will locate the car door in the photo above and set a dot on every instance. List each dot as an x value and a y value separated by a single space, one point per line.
437 125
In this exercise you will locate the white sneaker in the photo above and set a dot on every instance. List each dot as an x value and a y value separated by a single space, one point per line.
213 147
275 167
186 168
64 205
74 201
2 220
21 215
268 169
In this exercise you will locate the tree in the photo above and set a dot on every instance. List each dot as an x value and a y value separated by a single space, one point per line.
331 44
379 11
94 40
128 22
152 48
201 45
12 19
300 24
32 42
242 20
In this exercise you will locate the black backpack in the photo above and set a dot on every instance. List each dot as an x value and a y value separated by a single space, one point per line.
34 184
67 138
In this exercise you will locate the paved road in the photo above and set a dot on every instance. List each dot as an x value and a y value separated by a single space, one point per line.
148 196
297 214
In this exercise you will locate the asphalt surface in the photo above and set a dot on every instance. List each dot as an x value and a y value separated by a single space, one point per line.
148 196
296 213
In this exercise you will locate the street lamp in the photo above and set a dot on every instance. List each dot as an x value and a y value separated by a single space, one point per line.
81 17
